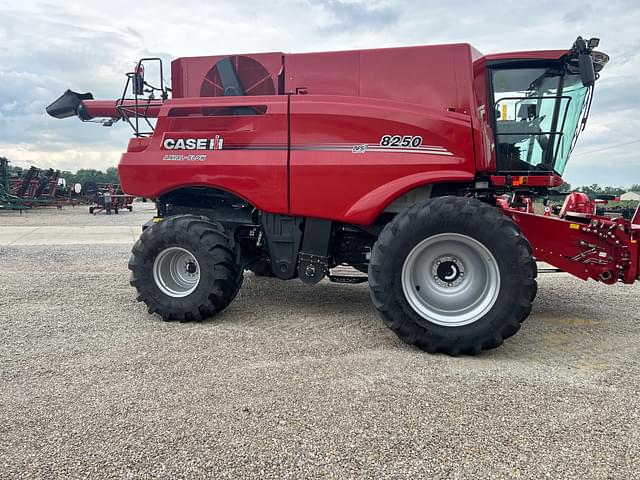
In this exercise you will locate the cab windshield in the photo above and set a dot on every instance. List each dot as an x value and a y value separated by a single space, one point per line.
537 116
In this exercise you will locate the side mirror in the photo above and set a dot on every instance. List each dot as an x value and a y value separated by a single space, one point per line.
583 48
587 72
138 80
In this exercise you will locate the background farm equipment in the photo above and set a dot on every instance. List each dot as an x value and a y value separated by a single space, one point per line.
7 200
34 188
95 193
580 203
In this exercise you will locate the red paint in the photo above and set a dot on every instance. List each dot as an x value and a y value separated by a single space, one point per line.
577 202
353 98
258 176
355 188
345 98
109 108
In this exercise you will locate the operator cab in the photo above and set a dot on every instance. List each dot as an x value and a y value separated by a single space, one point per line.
540 107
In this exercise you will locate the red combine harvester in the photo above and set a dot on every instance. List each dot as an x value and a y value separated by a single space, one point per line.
417 166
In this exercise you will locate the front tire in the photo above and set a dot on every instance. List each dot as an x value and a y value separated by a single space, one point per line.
452 275
186 268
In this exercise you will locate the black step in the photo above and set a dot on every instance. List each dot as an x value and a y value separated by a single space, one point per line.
345 279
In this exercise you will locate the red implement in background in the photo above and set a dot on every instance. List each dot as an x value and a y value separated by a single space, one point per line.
584 244
119 200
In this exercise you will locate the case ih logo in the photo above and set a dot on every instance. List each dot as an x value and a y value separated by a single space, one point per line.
214 143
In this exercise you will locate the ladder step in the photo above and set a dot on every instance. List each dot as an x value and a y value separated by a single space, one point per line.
351 280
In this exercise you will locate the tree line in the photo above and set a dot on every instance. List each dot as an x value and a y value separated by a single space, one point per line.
594 189
90 175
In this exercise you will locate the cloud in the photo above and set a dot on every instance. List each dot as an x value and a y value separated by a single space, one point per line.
578 15
351 16
23 155
48 47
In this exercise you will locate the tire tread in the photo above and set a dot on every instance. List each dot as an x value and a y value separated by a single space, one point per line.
223 261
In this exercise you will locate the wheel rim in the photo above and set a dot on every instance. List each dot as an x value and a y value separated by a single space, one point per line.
176 272
450 279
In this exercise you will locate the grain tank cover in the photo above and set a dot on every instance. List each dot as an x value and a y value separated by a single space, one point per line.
437 76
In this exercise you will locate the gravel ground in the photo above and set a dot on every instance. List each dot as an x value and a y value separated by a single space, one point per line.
293 381
78 215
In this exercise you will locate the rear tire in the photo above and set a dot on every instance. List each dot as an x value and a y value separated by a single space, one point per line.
186 268
452 275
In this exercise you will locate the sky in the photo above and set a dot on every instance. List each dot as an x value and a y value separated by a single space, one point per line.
46 48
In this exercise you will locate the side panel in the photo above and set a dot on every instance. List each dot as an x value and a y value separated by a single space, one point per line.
341 168
424 75
251 164
419 75
327 73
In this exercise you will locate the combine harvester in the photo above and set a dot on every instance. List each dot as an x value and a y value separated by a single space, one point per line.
417 165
